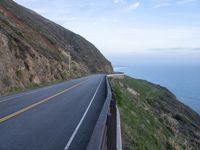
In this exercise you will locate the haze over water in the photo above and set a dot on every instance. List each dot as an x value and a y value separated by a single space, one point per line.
181 78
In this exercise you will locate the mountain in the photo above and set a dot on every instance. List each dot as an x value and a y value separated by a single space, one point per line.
153 119
35 50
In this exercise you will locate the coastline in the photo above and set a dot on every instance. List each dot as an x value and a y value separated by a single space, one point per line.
152 117
178 81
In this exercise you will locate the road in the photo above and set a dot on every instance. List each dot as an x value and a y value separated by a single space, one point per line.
57 117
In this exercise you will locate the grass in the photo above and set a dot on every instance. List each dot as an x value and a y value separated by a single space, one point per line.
142 128
30 86
19 33
20 74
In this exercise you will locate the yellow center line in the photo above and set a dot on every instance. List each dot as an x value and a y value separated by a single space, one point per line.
38 103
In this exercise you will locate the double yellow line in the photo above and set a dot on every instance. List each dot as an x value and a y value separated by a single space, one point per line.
38 103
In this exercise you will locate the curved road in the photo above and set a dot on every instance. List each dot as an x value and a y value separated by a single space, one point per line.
57 117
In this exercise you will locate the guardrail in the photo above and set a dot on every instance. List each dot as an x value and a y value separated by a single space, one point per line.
117 75
105 134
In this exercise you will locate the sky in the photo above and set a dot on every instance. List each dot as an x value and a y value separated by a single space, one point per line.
168 28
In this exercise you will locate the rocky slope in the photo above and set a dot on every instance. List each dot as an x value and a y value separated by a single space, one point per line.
153 119
34 50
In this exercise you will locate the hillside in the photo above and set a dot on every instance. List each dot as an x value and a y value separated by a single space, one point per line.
34 50
153 119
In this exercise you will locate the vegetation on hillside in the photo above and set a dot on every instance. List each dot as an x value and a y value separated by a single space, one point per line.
152 118
35 50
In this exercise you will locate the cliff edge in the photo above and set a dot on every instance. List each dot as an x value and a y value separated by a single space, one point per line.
153 119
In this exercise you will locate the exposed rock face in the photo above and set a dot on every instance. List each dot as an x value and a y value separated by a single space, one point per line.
35 50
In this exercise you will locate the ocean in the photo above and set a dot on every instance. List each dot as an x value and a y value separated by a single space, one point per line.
181 79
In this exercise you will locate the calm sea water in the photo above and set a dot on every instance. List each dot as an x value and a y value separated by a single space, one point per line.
183 80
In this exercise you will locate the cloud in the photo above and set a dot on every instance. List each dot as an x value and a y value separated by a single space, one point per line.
115 20
133 6
103 19
70 18
165 3
128 31
118 1
176 49
181 2
94 23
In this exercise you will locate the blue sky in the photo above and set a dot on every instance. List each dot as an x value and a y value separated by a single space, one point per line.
129 27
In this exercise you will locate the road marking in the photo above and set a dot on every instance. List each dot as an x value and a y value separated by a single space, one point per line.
83 117
38 103
28 92
18 96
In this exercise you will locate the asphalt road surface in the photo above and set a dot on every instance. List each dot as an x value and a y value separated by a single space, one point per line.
57 117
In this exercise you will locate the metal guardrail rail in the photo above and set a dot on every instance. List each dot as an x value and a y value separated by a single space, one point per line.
119 75
105 134
119 137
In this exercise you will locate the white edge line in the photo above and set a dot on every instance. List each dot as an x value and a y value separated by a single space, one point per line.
23 94
83 117
29 92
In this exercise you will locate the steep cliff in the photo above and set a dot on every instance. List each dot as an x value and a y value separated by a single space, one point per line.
153 119
34 50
